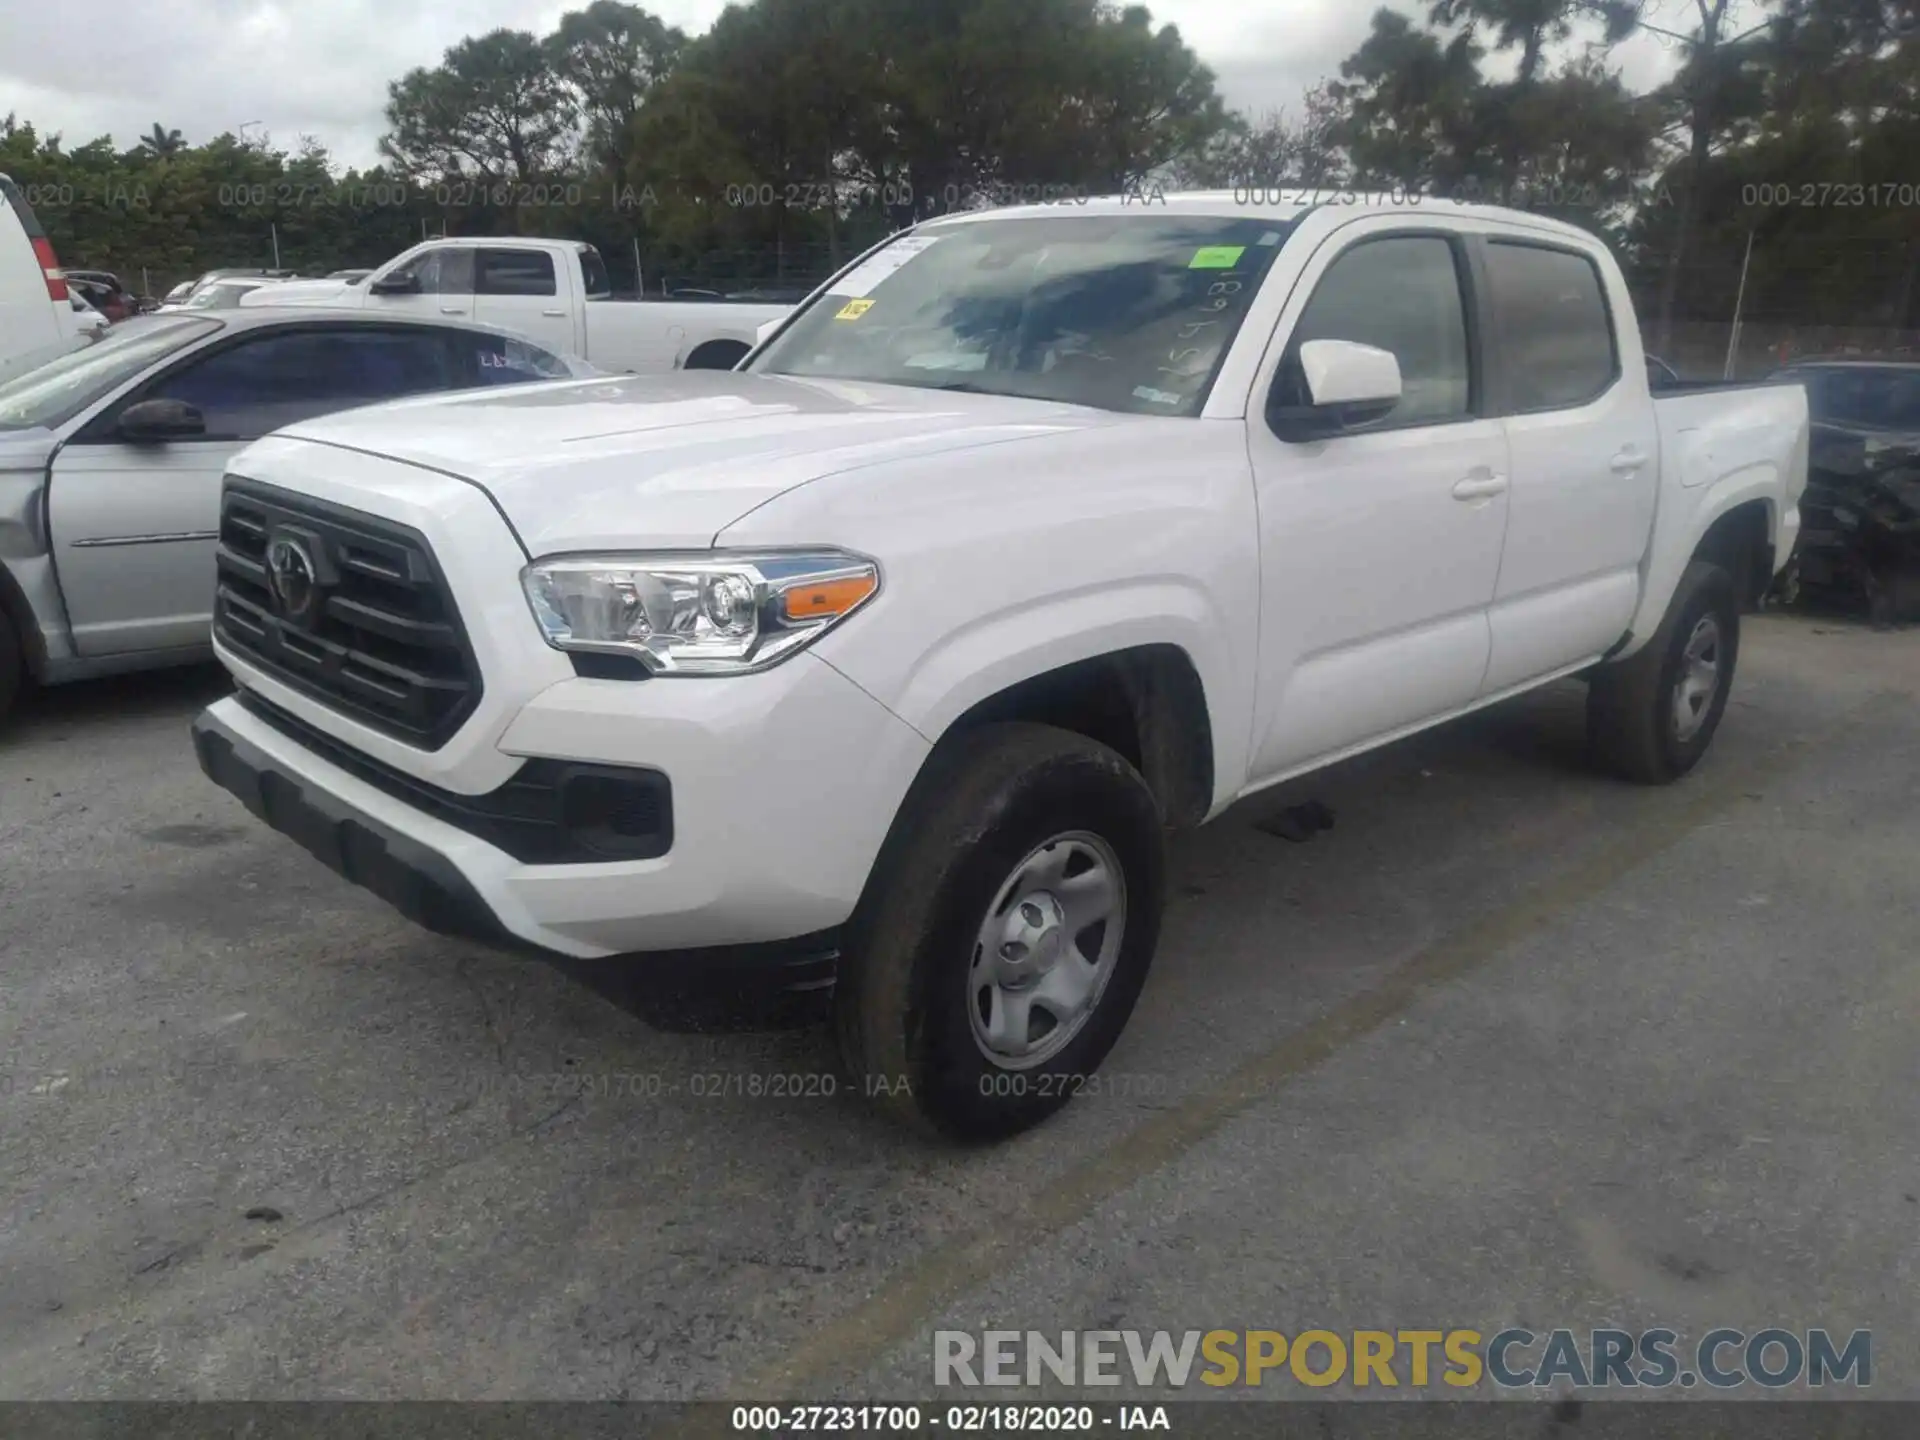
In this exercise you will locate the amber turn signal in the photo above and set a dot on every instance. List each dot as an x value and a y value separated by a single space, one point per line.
824 599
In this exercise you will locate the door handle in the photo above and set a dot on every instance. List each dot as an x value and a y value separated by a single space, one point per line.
554 314
1480 487
1629 462
453 309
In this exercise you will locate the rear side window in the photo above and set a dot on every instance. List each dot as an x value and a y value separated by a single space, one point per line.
593 273
1556 337
508 360
515 272
261 384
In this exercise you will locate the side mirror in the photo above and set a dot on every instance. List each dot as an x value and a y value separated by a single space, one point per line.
408 284
1347 384
153 422
765 332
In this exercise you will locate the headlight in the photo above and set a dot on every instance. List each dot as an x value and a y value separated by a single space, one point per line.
708 614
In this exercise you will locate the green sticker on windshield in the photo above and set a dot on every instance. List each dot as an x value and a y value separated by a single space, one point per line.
1217 257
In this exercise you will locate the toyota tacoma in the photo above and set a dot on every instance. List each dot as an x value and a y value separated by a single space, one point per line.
1031 536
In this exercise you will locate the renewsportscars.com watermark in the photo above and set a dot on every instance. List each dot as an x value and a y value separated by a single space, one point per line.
1514 1359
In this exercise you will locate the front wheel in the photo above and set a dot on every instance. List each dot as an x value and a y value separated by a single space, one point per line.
1651 717
1006 932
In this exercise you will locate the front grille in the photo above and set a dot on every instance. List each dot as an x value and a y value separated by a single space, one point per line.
378 638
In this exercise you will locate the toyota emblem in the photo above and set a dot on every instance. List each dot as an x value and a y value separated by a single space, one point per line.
291 575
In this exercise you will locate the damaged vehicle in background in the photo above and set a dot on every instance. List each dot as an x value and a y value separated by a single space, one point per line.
1860 538
111 458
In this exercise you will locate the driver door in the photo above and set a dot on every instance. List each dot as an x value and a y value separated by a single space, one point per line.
1380 547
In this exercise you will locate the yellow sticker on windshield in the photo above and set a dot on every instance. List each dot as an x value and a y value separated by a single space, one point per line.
854 309
1217 257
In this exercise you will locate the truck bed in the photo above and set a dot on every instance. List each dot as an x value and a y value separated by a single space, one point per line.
1723 447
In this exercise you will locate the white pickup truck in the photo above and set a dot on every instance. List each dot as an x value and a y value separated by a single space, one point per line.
554 292
1035 534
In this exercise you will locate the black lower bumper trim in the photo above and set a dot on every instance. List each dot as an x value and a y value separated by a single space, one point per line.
549 812
418 882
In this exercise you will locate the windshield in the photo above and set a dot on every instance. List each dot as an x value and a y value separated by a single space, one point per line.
55 392
1130 313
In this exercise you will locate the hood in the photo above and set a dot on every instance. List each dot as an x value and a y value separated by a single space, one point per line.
669 461
300 292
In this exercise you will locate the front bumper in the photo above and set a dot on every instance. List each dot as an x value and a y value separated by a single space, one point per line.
771 793
783 786
430 890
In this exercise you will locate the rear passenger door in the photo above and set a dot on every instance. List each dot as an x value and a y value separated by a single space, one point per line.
519 290
1584 449
135 525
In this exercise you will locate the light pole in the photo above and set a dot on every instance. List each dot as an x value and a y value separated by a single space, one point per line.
1739 309
246 125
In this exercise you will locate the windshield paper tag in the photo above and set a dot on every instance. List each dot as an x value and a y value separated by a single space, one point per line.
862 279
1155 397
854 309
1217 257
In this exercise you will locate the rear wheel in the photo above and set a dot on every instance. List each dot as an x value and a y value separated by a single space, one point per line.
1006 932
1651 717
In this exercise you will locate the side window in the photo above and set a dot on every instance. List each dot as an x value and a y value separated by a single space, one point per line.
593 274
516 272
1556 337
447 271
509 360
1400 294
259 385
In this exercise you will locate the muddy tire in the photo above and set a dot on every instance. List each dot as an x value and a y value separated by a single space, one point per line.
1005 934
1651 717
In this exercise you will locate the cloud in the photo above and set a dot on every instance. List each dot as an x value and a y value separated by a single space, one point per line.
204 67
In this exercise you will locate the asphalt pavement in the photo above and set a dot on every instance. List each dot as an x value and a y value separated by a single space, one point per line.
1511 1044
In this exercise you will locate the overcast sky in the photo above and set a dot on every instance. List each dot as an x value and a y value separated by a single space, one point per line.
321 67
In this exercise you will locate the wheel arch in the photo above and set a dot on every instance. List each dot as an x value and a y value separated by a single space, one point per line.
1146 702
719 353
17 613
1740 540
1736 522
